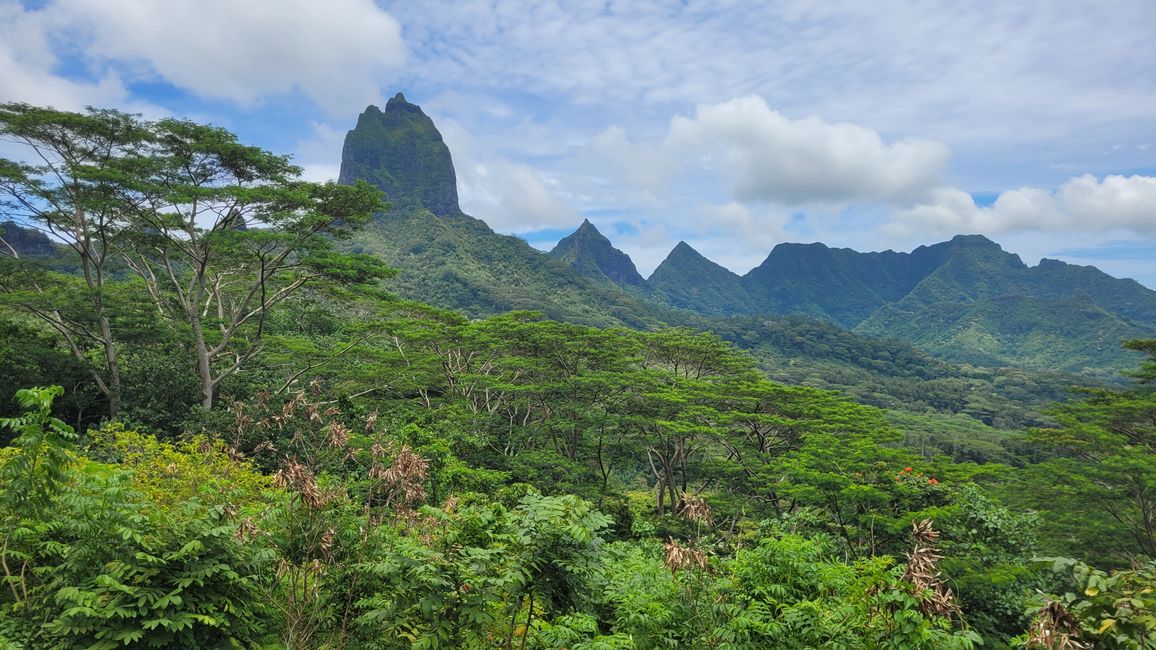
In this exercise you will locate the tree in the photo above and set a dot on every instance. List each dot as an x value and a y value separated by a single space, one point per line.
219 232
1107 447
70 191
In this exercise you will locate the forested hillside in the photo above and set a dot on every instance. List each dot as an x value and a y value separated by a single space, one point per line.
224 428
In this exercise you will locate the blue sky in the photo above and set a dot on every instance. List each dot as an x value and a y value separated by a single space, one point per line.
730 125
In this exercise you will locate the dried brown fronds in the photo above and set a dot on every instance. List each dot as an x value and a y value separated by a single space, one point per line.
695 508
1054 628
450 505
405 478
338 435
678 558
923 533
923 572
377 450
327 540
371 422
246 530
296 476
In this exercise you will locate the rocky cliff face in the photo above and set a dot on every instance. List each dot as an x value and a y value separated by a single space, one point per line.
26 242
591 254
401 152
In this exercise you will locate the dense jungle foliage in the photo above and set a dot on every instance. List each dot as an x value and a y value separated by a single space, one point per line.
221 431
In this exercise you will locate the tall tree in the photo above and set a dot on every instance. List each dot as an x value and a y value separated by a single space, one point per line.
219 232
1107 446
223 232
69 188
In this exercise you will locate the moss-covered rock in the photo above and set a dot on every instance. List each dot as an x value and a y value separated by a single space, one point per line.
401 152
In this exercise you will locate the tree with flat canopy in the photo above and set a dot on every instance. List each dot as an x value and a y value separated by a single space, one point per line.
1105 446
217 232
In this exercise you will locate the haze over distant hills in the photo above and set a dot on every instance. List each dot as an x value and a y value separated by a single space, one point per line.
965 300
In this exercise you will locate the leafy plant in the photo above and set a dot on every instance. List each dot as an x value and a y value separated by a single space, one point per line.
1105 610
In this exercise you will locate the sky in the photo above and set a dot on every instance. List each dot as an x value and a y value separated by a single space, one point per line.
731 125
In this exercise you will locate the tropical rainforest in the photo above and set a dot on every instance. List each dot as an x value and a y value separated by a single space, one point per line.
243 410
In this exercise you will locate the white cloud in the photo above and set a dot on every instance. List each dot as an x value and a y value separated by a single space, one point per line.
769 157
518 198
1082 204
645 167
511 197
319 156
237 51
760 155
28 59
950 70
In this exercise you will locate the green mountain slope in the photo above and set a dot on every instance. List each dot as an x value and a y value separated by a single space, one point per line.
460 263
687 280
837 284
592 255
986 307
20 241
452 260
965 300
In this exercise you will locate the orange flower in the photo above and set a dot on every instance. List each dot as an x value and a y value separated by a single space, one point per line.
907 469
932 481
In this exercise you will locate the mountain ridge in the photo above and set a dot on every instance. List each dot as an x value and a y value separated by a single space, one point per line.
965 299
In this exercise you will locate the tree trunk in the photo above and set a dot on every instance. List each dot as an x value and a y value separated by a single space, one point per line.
92 266
113 367
204 367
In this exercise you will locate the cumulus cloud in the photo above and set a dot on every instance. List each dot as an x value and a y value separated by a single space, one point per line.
645 167
509 196
513 197
240 52
1082 204
739 236
769 157
29 60
318 155
760 155
950 70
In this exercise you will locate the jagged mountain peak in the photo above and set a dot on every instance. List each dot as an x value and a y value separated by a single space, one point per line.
681 249
689 280
591 254
684 257
401 152
976 251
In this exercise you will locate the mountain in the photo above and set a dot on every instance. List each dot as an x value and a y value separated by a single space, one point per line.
687 280
25 242
592 255
984 306
401 152
836 284
452 260
964 300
